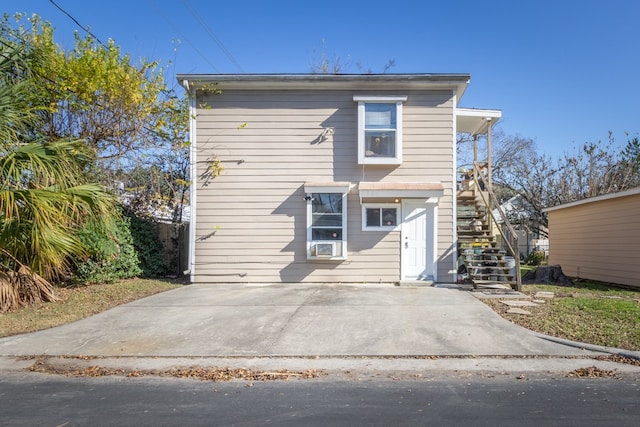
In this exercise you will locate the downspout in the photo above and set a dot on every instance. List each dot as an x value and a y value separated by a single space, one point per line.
194 178
454 202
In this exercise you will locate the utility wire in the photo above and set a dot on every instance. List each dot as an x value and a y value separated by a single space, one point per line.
204 25
77 23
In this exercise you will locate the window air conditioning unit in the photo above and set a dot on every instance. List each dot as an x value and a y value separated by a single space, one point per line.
327 249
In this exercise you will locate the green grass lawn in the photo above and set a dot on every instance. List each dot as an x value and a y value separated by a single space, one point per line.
589 312
79 302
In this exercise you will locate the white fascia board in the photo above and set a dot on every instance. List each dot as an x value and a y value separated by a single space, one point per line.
406 194
329 187
380 99
457 82
479 112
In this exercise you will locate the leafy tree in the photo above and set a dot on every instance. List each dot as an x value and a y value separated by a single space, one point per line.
631 153
92 92
631 161
44 199
128 117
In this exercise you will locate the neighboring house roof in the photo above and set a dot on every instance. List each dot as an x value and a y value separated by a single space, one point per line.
626 193
513 208
160 213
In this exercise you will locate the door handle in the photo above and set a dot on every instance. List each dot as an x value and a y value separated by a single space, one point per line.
406 245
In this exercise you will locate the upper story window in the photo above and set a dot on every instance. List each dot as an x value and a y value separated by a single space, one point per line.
380 129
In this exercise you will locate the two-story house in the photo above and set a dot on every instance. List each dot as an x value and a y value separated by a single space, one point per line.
326 178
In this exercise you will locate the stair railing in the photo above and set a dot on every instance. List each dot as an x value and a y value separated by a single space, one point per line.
509 236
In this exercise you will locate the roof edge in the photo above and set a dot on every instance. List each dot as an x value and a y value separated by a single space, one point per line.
455 81
625 193
476 121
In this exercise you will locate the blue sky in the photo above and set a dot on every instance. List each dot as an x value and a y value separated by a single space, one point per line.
563 72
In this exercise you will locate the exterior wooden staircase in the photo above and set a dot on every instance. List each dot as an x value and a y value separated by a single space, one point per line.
487 246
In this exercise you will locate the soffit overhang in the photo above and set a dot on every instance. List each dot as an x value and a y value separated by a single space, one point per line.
402 190
456 82
327 187
476 121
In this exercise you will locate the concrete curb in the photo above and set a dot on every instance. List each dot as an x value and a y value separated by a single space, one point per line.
347 368
591 347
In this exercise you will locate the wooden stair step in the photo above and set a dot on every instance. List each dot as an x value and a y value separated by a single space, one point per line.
480 265
493 277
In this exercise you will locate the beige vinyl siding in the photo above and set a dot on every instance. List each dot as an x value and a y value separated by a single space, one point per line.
598 240
251 220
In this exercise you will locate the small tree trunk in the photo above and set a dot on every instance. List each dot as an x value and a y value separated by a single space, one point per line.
22 288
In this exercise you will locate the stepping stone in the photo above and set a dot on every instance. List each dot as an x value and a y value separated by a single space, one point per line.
539 301
544 294
582 295
519 311
516 303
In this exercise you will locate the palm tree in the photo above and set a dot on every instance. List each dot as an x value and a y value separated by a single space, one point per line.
44 199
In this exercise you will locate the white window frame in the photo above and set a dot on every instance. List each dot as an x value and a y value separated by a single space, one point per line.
341 249
362 101
395 206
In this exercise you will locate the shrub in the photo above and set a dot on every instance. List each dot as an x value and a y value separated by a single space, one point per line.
535 258
148 246
112 254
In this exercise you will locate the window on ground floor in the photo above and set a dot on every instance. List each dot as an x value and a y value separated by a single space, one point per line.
378 216
326 225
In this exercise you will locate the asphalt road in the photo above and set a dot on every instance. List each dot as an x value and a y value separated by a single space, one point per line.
48 400
394 356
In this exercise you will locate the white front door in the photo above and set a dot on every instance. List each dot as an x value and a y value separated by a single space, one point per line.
418 240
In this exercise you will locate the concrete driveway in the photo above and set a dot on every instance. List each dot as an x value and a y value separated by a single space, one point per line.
292 320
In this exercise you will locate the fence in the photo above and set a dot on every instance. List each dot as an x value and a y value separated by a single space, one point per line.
175 240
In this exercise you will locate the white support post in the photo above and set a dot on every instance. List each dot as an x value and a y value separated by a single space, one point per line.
489 167
475 160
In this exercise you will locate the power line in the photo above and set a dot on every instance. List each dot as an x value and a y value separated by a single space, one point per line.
204 25
77 23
